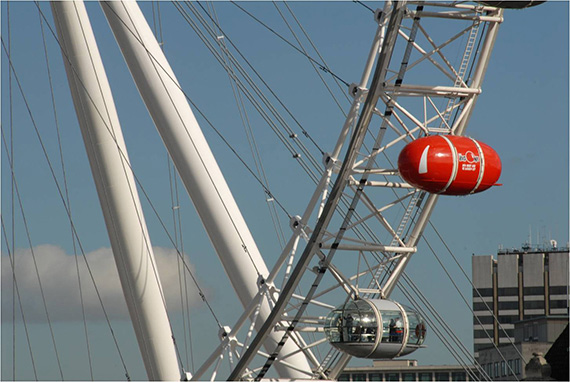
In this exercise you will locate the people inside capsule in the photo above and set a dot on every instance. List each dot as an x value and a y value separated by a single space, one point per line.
393 326
355 326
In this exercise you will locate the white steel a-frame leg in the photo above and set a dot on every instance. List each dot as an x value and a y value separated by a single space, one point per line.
116 188
196 165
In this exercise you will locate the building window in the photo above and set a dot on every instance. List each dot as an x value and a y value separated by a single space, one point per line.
392 376
482 333
514 291
563 290
534 304
534 291
483 292
517 366
375 377
558 304
508 319
408 376
484 306
344 377
459 376
483 320
496 371
442 376
359 377
506 305
424 377
505 333
503 369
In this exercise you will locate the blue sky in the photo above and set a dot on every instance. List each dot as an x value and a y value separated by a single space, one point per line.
522 114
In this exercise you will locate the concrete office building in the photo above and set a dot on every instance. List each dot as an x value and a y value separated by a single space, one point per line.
527 290
521 284
532 336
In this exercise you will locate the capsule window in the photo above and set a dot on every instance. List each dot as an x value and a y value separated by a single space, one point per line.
355 322
333 326
417 327
358 323
375 329
392 326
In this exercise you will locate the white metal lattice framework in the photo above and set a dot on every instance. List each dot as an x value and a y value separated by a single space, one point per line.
363 222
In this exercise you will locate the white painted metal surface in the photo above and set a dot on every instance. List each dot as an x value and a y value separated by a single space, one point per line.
116 189
357 176
196 164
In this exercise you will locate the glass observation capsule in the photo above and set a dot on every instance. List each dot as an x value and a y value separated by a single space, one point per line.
375 329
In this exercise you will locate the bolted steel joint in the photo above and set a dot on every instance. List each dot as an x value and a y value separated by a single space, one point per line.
356 91
378 15
295 223
224 332
328 161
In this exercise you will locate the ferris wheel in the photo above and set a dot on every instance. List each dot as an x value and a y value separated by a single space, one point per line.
328 296
414 91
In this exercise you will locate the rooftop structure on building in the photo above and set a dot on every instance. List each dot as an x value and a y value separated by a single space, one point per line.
520 306
409 370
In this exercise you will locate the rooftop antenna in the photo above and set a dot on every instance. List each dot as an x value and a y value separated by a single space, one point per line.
528 244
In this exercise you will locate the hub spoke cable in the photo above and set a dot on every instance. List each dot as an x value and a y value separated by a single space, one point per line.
66 189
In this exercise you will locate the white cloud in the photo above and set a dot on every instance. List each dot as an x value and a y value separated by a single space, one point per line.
59 279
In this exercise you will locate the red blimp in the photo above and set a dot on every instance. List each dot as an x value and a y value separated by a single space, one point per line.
449 165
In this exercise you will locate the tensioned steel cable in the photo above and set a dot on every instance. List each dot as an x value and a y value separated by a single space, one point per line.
329 90
321 66
125 165
304 131
301 156
134 174
157 66
478 293
66 189
60 193
17 293
317 166
176 220
434 323
221 43
63 200
12 197
364 5
310 168
465 300
420 294
337 82
179 245
29 239
347 204
256 155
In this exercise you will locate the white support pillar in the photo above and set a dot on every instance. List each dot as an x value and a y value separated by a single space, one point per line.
116 188
194 161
